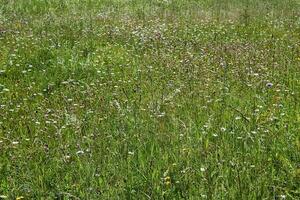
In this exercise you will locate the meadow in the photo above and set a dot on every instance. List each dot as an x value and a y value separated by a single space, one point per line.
149 99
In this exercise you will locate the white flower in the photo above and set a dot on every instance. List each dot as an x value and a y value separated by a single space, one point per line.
269 84
80 152
282 196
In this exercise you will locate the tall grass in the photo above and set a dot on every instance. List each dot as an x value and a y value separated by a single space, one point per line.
149 99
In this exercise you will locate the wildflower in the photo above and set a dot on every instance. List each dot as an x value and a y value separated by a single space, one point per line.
167 180
19 198
269 85
168 183
237 118
67 158
161 114
80 152
282 196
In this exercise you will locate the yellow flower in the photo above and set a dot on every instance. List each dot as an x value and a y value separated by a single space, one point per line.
19 198
168 183
167 179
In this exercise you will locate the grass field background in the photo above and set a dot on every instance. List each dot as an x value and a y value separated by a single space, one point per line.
136 99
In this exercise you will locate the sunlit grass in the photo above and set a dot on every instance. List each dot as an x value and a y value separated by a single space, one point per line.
149 99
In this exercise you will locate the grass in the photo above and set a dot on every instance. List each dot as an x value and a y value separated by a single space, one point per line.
150 99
